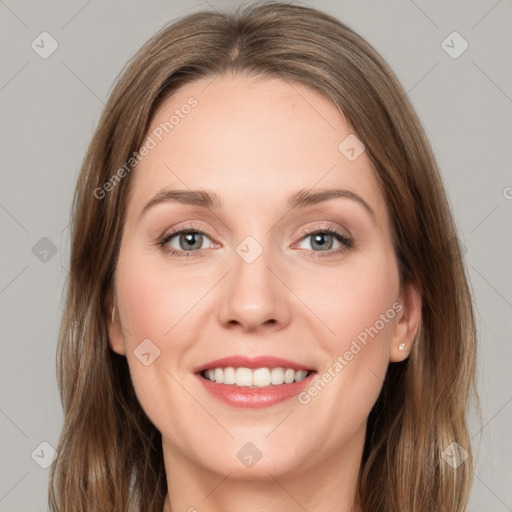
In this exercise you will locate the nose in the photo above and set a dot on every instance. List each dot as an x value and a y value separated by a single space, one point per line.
253 296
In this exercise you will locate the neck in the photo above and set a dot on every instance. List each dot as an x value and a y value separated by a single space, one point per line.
328 486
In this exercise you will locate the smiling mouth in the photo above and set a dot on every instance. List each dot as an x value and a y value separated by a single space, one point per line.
255 378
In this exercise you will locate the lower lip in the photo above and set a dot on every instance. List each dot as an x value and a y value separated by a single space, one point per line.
254 398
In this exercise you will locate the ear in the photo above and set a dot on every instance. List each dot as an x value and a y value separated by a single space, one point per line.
407 323
115 331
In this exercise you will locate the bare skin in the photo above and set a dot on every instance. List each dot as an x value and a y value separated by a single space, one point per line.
255 142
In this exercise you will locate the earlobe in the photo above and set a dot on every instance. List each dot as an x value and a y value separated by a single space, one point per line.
407 325
115 334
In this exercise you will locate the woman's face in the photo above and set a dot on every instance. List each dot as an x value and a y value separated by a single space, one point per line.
259 275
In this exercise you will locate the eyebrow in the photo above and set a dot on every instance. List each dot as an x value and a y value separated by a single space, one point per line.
212 201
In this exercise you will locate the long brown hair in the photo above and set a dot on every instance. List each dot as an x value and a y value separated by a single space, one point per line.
110 454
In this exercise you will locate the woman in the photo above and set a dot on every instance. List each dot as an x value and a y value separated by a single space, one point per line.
267 306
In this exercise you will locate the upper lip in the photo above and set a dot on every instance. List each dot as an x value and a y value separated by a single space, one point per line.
251 362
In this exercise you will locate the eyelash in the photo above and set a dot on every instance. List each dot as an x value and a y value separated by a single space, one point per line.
345 240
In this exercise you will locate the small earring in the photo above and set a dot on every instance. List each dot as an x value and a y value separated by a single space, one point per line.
401 346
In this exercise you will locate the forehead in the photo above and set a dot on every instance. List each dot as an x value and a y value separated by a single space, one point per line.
253 140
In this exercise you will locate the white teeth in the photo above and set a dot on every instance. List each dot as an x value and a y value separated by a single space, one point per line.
219 375
229 375
289 376
277 376
261 377
243 376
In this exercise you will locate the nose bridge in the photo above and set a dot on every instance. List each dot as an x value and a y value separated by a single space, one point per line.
252 277
253 296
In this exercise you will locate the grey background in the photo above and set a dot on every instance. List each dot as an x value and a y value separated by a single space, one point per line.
49 108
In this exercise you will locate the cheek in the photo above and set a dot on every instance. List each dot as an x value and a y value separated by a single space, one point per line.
151 298
351 298
151 305
360 308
